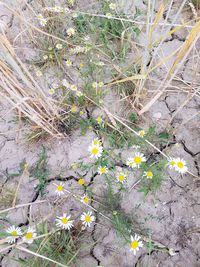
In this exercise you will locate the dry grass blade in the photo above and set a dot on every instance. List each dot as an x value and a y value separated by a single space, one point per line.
179 60
22 206
40 256
157 19
194 34
134 77
28 97
25 172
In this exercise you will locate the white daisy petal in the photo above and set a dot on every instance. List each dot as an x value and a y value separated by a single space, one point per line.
95 151
29 235
135 161
102 170
135 243
87 218
64 222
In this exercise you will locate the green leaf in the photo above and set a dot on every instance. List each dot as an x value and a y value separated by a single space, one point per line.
164 135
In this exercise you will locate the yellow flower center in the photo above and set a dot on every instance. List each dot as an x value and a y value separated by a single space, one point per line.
14 233
87 218
142 134
64 220
149 174
103 170
94 150
96 142
29 235
86 199
172 163
180 164
99 120
73 109
60 188
134 244
137 160
121 178
81 181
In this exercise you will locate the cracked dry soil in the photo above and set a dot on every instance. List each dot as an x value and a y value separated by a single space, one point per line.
172 213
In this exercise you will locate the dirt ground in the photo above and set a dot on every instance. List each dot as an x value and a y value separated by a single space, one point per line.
172 214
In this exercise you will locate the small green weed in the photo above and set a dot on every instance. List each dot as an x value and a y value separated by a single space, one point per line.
60 246
40 171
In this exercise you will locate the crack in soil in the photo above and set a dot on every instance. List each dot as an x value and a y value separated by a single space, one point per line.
167 105
181 187
197 167
10 23
94 239
188 150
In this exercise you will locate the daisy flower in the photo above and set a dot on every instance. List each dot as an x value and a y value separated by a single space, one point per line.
59 46
60 189
42 20
121 178
101 84
68 63
180 166
71 31
96 142
51 91
136 160
73 87
85 199
171 163
99 120
29 235
95 151
148 174
74 109
14 233
94 85
141 133
87 218
79 93
74 15
64 222
81 181
45 57
38 73
102 170
57 9
112 6
65 83
135 243
108 15
55 85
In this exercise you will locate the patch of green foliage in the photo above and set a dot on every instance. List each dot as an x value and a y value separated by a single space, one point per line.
40 171
158 170
107 31
122 222
60 246
196 3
